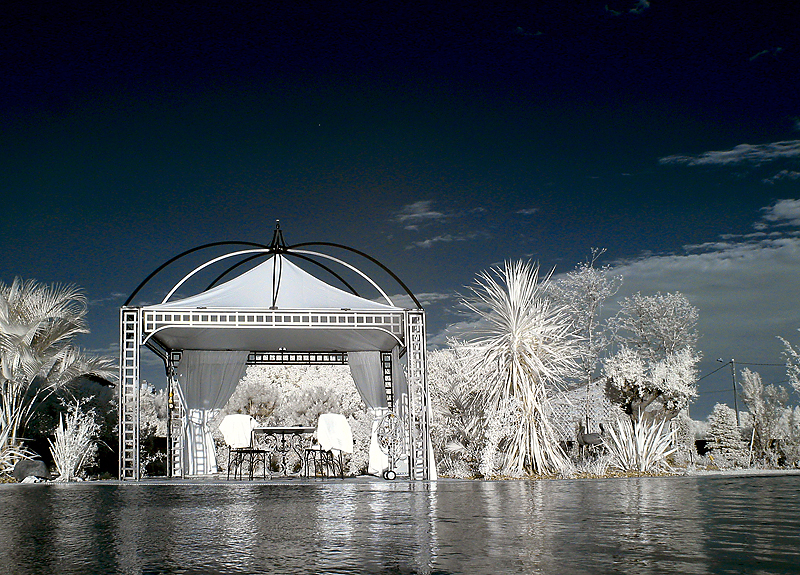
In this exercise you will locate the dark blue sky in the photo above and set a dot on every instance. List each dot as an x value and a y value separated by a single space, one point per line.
440 139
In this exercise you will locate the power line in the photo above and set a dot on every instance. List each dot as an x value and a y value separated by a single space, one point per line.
713 372
740 363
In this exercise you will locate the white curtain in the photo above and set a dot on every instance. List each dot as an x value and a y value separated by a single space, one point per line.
207 380
367 373
378 459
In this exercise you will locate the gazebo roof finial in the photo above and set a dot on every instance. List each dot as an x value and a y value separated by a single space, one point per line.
278 244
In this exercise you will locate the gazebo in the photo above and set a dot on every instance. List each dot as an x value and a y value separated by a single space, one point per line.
275 313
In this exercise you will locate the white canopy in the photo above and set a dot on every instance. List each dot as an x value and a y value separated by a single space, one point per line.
277 284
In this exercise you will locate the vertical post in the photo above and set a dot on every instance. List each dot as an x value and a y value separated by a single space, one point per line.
130 338
386 364
420 464
735 401
176 420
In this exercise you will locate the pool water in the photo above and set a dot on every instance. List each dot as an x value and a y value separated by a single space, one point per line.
681 525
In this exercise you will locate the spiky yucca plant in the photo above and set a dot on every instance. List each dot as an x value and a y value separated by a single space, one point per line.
641 446
526 347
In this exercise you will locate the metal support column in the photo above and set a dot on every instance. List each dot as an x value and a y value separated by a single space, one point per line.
175 420
419 464
386 365
130 338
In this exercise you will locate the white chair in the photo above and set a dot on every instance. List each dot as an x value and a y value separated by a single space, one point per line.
334 439
237 429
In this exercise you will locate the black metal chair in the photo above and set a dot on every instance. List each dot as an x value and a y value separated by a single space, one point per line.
237 429
334 439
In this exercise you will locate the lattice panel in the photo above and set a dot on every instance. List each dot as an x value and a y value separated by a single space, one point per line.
296 358
177 417
386 366
419 465
570 407
130 337
390 321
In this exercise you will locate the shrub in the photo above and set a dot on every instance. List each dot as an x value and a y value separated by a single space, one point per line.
725 441
74 443
641 446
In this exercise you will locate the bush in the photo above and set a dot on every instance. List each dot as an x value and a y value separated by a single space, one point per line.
74 445
641 446
725 445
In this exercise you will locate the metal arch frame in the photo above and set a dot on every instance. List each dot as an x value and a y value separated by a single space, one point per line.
345 264
278 245
406 326
181 255
267 251
364 255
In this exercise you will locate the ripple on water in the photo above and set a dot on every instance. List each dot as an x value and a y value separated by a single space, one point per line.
648 525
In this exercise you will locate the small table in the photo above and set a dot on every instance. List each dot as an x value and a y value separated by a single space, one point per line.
281 440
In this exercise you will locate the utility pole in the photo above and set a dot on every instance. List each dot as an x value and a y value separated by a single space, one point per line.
732 363
735 401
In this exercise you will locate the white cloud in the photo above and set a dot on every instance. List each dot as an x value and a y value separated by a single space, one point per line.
427 299
782 175
783 212
444 238
528 211
638 8
774 52
741 154
411 216
112 297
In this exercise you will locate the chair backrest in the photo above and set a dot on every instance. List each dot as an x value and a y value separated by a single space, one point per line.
334 433
237 429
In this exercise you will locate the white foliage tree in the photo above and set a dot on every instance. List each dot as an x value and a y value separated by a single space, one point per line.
456 426
792 364
656 361
635 383
526 348
656 326
583 292
767 406
38 325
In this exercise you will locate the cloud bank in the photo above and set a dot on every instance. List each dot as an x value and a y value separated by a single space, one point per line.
741 154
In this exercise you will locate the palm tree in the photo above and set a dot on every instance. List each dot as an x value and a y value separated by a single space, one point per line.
38 324
527 347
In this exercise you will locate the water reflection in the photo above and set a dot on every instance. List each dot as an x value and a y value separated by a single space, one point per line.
650 525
